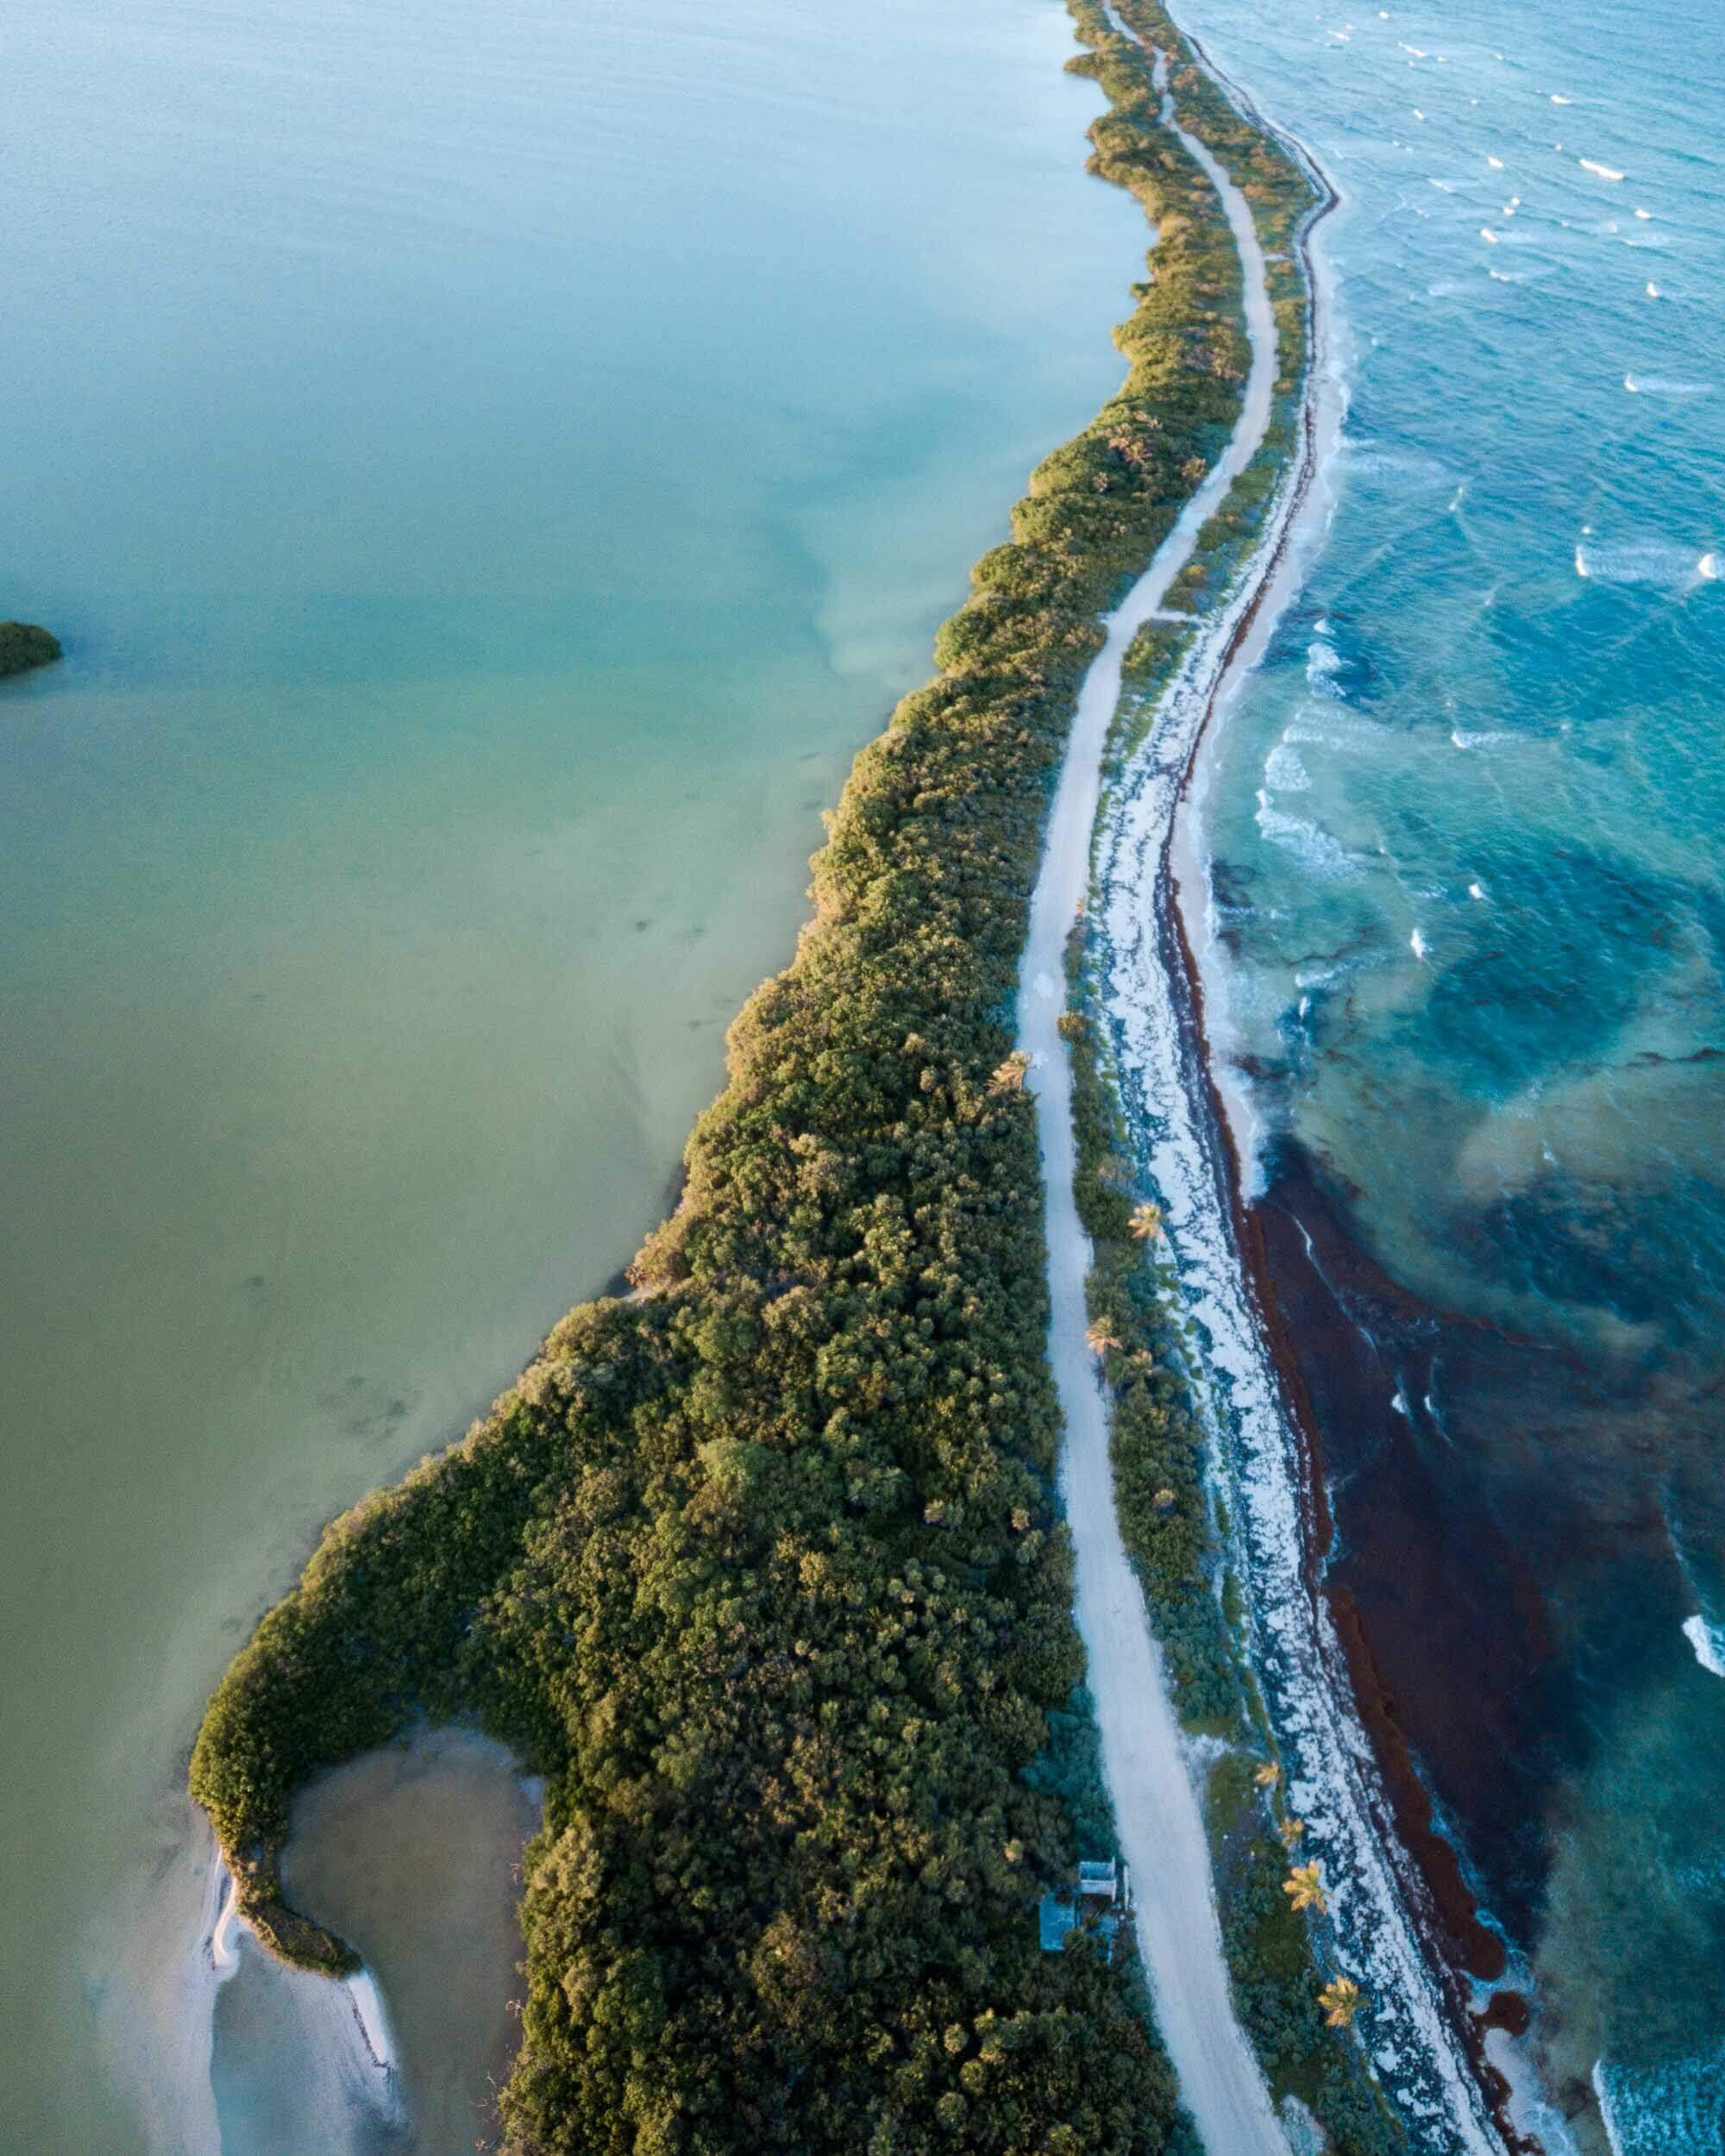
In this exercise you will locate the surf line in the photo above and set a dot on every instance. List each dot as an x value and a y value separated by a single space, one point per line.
1157 1814
1173 1093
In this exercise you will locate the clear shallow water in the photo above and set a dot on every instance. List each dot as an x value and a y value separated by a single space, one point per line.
489 470
1468 873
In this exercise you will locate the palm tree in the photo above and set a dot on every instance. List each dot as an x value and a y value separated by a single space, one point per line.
1304 1887
1341 1998
1268 1775
1009 1075
1098 1339
1147 1222
1290 1831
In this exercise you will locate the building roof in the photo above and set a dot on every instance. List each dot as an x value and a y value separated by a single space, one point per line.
1054 1920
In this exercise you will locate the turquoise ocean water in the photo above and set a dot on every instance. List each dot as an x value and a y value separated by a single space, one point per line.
491 467
1471 910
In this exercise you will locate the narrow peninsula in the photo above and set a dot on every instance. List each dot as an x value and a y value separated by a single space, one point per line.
764 1566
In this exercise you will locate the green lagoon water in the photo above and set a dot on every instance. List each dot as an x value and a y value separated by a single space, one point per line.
490 468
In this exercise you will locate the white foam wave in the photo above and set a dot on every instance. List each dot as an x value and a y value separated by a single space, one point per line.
1311 845
1333 724
1674 2108
1412 465
1662 386
1496 163
1323 665
1488 235
1462 739
1709 1643
1531 2113
1601 172
1283 771
1709 568
1418 945
1641 561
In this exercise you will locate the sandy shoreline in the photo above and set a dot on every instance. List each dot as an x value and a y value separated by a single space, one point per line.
1156 894
1460 1949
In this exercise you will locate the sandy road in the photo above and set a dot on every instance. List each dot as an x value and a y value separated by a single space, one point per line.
1155 1807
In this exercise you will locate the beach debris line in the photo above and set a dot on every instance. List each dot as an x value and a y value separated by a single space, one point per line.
1157 1051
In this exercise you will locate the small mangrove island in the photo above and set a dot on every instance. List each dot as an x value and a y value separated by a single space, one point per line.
23 647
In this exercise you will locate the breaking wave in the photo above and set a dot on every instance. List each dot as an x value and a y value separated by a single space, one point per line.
1283 771
1674 2108
1708 1641
1311 846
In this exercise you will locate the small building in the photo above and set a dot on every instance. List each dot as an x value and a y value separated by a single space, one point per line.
1092 1908
1055 1919
1101 1880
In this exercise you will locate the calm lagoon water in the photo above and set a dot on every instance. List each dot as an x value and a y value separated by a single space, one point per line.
1471 904
490 466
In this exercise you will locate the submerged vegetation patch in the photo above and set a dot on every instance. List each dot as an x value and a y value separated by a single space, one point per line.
760 1565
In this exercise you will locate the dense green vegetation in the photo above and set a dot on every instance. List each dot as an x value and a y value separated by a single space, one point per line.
761 1566
22 645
